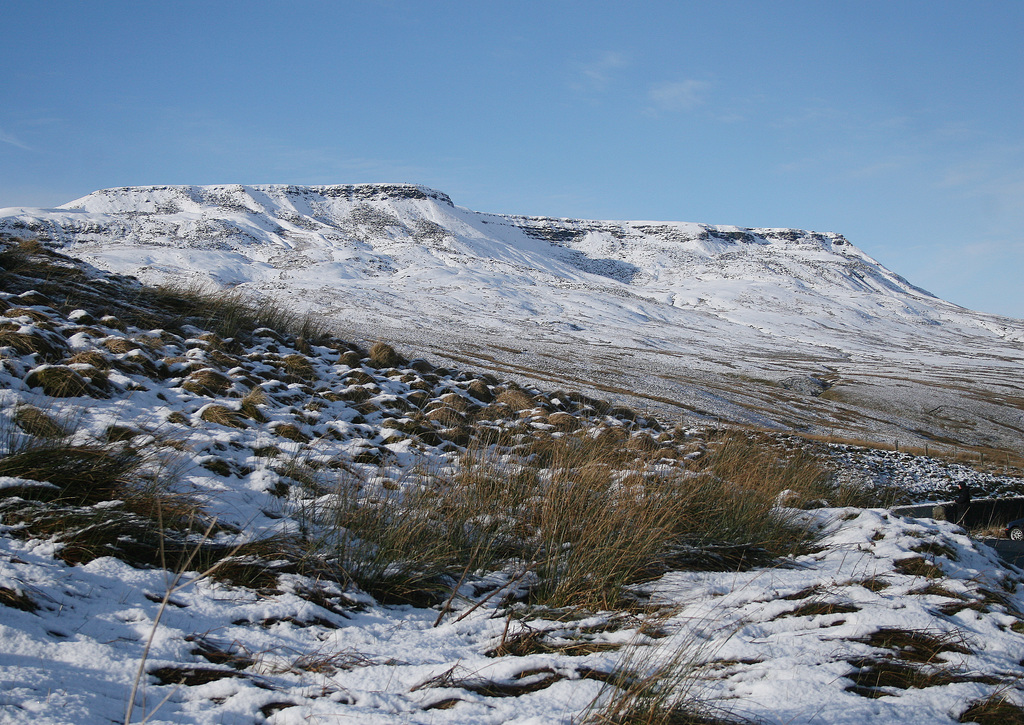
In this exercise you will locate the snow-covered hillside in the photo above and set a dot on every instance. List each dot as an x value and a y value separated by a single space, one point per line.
131 421
717 321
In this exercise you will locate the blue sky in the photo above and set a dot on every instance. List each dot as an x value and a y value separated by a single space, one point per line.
899 124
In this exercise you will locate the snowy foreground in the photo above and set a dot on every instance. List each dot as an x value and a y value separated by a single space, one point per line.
884 620
798 643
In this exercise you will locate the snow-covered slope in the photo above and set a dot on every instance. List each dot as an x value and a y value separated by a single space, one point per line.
125 430
414 243
711 318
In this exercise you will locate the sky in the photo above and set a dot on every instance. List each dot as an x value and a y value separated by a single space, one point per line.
899 124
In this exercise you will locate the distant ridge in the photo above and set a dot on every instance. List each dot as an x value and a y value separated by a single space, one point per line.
351 192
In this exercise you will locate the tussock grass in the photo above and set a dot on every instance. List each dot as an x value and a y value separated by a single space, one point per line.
388 546
916 645
230 314
79 473
222 415
39 423
918 566
997 709
735 492
17 253
383 355
516 400
90 357
17 600
584 520
48 347
207 382
648 688
251 402
58 381
110 499
298 368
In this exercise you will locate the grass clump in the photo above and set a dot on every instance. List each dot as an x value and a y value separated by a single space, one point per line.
222 415
59 381
383 355
229 314
517 400
573 518
77 473
387 546
733 495
207 382
48 346
97 499
38 423
298 368
920 646
918 566
994 710
17 600
647 689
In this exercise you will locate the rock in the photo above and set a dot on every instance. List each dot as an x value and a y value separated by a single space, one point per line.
806 385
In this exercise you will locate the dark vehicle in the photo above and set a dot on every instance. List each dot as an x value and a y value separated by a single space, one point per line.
1015 530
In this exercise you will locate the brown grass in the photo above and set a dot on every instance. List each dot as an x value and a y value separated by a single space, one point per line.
916 645
994 710
647 690
81 473
222 415
383 355
298 368
517 400
59 381
229 314
38 423
17 600
49 347
207 382
587 521
251 403
94 358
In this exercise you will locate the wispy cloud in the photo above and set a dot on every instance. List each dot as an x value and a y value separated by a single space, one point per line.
811 115
677 95
994 174
597 75
881 167
11 139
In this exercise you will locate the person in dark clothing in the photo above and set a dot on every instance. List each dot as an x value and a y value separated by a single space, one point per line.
963 501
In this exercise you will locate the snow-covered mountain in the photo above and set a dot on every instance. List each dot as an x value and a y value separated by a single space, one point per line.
743 324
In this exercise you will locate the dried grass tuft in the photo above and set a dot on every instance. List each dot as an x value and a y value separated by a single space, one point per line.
207 382
383 355
38 423
996 709
222 415
517 400
59 381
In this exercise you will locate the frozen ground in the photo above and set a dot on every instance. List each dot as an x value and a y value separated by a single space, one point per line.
803 642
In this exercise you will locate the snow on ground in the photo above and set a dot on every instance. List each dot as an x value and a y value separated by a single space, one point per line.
885 620
925 477
796 643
